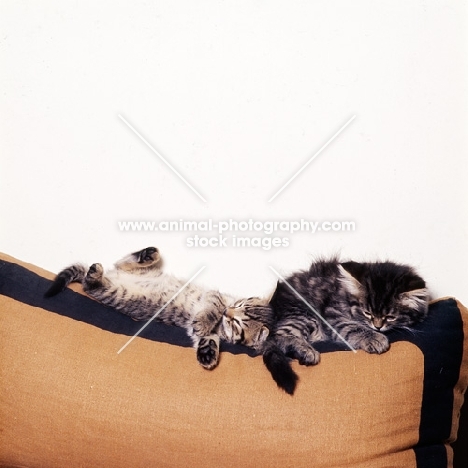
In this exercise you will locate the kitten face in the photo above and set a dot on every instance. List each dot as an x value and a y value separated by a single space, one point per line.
394 314
244 322
389 295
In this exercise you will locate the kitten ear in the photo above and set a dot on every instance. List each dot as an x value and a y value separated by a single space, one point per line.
352 273
263 335
414 282
272 295
415 294
355 269
415 299
269 297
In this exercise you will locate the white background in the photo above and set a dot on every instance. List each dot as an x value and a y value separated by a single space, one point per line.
237 96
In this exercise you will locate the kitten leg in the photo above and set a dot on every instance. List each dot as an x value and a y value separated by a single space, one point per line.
97 286
206 341
148 257
204 325
298 348
206 321
95 279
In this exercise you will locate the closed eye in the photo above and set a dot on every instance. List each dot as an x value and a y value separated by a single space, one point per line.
235 325
238 331
390 318
366 314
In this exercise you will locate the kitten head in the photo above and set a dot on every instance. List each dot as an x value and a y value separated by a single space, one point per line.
390 295
247 322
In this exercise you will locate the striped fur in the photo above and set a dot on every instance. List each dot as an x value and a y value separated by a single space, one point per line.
359 302
139 288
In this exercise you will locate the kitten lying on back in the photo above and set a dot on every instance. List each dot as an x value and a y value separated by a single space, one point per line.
138 288
360 301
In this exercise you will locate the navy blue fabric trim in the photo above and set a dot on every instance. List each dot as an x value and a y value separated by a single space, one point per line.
440 339
431 456
443 354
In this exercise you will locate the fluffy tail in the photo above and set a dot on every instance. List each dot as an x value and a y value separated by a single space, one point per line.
280 368
73 274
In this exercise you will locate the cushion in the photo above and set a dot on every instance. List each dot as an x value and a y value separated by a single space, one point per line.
67 398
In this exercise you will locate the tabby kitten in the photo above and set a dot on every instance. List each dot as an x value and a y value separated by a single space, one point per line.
138 288
356 302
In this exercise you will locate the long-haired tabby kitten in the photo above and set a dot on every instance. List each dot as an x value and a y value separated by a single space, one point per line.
358 301
138 288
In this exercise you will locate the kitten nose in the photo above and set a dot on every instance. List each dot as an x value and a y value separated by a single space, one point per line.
377 322
229 312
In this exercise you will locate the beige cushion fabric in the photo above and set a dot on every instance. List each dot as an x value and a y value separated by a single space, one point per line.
67 399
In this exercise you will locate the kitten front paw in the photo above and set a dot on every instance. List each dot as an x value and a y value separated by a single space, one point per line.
376 343
309 357
208 353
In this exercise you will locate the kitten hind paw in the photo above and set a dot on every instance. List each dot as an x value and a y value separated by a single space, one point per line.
95 273
147 256
208 353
